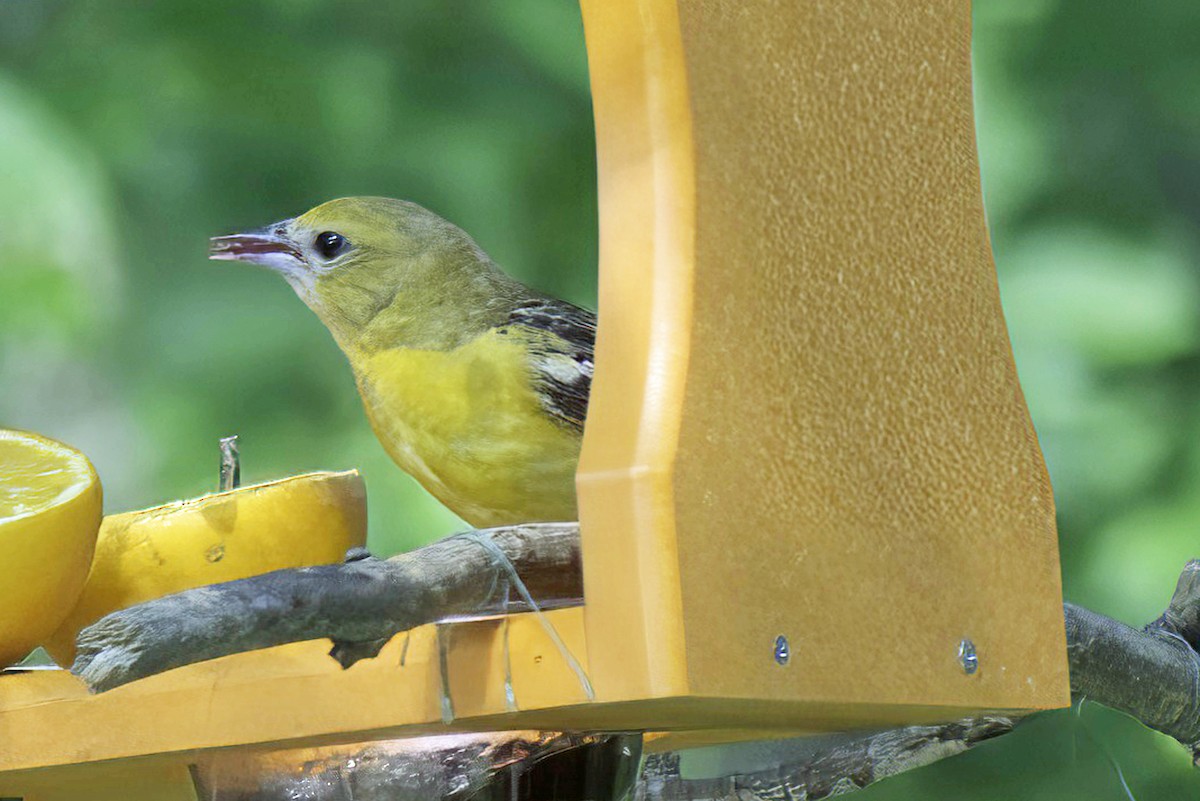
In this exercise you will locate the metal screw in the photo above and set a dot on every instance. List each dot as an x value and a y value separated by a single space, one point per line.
967 657
783 651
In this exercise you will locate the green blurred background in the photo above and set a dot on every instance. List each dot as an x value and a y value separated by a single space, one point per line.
130 132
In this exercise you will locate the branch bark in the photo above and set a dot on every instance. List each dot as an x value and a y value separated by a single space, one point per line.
359 604
1152 673
819 767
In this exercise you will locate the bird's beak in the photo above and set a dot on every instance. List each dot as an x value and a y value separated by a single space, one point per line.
268 246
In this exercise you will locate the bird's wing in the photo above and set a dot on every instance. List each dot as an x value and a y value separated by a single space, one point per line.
562 342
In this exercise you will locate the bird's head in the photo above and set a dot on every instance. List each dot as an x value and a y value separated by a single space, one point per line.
363 261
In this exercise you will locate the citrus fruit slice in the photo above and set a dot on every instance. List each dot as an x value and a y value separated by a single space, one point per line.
50 505
299 521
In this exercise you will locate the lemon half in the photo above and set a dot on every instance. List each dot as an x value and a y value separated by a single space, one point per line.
303 520
50 504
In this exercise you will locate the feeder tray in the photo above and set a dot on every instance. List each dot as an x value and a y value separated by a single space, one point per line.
811 496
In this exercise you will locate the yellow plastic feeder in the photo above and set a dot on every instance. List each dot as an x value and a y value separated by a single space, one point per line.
811 495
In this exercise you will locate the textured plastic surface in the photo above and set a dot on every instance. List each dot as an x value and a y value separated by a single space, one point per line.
143 780
295 694
806 419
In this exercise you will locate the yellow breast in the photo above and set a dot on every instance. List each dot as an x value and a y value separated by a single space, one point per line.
468 425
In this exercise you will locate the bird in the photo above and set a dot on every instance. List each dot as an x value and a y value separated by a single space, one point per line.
475 384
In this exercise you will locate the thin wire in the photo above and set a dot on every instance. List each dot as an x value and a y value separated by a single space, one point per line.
502 559
1195 664
1084 726
404 649
510 693
443 643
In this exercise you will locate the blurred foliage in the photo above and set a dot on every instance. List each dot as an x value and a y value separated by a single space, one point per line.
130 132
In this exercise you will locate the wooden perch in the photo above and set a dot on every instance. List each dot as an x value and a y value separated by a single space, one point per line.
1152 674
1149 673
359 604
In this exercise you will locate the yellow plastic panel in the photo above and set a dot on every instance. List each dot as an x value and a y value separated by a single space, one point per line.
134 780
806 419
294 694
646 185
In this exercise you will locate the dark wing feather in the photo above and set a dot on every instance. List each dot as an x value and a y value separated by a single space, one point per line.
562 356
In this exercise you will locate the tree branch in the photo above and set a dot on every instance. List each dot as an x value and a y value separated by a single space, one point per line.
359 604
1152 673
819 767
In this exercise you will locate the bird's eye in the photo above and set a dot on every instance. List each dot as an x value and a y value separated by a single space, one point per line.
330 244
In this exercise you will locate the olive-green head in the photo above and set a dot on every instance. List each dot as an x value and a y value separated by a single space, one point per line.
374 266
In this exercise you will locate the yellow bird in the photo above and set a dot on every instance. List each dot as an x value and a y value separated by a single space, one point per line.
476 385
